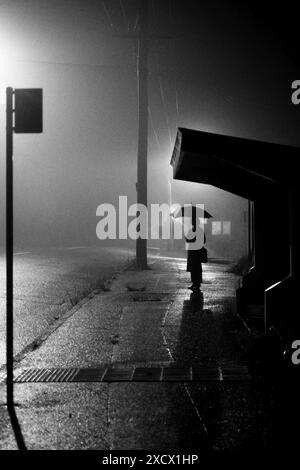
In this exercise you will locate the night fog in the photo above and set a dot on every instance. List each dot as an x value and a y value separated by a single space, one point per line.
204 73
149 234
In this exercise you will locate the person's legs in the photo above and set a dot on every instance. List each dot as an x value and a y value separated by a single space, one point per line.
192 286
192 280
196 279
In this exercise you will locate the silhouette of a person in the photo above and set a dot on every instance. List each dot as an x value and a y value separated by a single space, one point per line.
194 265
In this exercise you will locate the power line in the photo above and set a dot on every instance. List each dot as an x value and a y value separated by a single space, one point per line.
240 99
108 16
160 85
153 128
176 101
134 54
171 19
124 15
136 23
164 107
72 64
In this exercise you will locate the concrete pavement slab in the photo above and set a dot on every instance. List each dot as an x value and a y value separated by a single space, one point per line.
130 328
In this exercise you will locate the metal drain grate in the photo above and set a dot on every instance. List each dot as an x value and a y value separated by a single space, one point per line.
46 375
146 298
132 374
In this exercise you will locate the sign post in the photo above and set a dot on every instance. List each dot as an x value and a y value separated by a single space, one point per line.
9 247
27 113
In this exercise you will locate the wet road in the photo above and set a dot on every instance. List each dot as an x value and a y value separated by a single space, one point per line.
50 282
150 319
141 320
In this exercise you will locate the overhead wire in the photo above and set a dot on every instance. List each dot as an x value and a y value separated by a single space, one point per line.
108 15
161 87
124 14
153 128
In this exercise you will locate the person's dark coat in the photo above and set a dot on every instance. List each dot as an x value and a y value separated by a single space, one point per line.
194 259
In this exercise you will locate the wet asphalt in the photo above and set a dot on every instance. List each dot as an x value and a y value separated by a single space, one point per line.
49 282
150 318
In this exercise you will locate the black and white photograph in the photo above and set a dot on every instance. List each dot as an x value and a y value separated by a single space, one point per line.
149 261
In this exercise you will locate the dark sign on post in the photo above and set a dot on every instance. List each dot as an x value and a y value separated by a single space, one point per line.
28 110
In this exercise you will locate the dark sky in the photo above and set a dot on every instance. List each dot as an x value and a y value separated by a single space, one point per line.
225 67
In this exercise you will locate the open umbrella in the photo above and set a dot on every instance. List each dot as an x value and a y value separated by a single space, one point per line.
190 210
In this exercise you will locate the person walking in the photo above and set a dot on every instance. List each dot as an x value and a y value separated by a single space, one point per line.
195 257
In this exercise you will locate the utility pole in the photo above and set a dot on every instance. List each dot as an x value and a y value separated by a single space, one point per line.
142 39
142 155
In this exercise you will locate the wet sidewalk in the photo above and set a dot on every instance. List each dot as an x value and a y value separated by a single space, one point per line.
144 364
